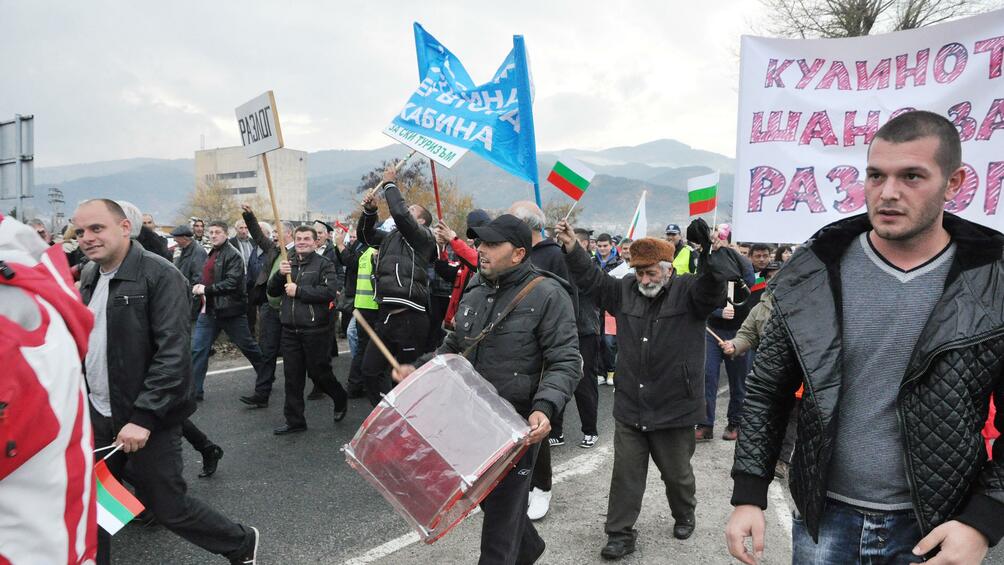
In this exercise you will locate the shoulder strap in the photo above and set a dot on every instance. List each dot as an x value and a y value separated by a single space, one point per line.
474 341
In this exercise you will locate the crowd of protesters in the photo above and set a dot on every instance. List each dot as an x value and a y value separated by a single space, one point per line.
655 318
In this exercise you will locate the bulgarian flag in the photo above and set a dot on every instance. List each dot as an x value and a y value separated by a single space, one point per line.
760 284
702 192
571 177
116 505
639 223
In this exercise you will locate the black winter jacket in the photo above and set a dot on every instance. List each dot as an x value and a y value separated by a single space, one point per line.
191 262
256 291
660 341
943 398
227 296
149 340
405 254
531 358
316 285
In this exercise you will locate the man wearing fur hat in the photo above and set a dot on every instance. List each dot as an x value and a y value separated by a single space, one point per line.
660 371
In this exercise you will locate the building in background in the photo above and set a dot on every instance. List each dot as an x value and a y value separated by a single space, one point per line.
245 178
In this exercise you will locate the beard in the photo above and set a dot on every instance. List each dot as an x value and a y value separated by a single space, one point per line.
650 290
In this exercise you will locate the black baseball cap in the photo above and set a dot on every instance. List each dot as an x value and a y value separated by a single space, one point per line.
773 266
505 228
673 229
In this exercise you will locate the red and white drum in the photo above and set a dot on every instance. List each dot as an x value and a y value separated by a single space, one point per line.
437 444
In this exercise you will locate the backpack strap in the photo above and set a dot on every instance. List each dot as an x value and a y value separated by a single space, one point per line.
523 293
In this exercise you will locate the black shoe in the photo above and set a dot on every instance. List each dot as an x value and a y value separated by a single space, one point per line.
287 429
341 409
249 557
210 460
316 394
616 549
255 401
145 519
200 396
683 530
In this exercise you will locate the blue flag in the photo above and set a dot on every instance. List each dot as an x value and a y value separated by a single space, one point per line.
447 106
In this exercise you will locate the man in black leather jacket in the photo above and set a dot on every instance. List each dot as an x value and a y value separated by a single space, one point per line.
306 327
923 484
139 378
225 305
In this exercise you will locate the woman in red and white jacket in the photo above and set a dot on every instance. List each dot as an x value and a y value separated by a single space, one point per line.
460 271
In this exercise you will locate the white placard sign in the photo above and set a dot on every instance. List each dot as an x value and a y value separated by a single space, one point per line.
258 122
446 154
809 108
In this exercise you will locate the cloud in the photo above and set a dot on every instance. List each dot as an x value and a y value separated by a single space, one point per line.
109 80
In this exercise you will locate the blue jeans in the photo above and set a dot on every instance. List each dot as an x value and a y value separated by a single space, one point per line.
736 370
207 328
353 337
850 535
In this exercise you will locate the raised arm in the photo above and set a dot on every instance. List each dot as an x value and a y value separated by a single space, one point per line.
584 273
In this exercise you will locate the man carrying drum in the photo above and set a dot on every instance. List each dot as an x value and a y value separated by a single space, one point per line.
516 326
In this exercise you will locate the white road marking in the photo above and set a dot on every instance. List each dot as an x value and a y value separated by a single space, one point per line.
245 367
579 465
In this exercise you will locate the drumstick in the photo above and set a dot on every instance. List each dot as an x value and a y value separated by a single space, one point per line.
375 339
714 335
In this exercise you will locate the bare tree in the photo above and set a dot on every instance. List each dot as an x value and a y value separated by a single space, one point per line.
853 18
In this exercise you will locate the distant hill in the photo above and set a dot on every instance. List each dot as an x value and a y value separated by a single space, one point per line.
662 167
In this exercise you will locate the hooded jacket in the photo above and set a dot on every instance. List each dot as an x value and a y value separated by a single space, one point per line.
955 366
405 254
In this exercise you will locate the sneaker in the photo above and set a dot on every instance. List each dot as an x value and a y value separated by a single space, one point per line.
250 557
704 433
601 380
588 441
731 433
556 441
540 503
610 378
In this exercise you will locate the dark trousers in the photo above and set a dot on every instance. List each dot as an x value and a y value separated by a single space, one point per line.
333 333
587 394
437 312
155 472
194 436
851 535
252 313
207 328
736 370
404 333
608 353
671 450
269 340
507 535
306 353
542 472
356 381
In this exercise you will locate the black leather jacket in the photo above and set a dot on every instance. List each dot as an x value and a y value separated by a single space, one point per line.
316 285
227 295
149 340
943 398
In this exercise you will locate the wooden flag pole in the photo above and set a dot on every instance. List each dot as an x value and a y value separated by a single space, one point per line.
275 211
400 164
576 203
435 189
376 339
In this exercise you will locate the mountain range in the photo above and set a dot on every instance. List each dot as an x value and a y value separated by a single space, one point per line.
662 167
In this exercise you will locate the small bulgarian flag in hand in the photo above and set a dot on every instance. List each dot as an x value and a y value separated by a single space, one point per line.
116 505
702 193
571 177
760 284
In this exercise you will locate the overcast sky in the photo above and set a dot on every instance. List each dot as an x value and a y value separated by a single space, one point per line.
111 80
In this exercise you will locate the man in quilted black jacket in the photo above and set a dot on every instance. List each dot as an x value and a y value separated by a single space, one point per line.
894 322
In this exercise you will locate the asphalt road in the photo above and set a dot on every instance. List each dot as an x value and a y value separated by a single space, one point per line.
311 507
